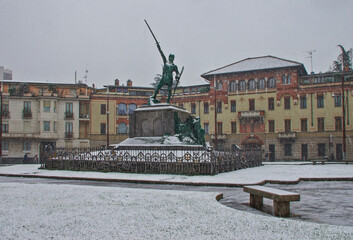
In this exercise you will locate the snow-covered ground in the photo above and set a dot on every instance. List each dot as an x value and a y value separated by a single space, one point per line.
283 172
50 211
39 211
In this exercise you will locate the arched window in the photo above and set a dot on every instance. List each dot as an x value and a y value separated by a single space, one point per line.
271 82
122 128
251 84
132 108
261 84
233 86
242 85
122 109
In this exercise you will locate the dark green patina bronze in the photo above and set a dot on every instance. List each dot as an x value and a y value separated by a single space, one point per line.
169 68
189 131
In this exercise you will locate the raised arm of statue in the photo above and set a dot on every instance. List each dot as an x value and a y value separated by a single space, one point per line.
162 54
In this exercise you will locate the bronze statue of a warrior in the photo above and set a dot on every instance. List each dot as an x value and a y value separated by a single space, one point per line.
169 68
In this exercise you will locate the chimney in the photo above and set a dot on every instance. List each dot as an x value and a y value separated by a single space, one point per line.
129 83
116 82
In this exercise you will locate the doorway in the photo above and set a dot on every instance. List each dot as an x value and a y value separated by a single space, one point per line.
339 152
304 152
272 150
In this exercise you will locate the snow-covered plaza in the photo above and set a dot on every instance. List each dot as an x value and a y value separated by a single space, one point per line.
52 211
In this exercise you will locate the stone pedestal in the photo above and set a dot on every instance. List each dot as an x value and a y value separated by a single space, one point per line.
155 121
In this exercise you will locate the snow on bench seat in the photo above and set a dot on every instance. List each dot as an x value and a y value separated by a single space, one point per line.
281 198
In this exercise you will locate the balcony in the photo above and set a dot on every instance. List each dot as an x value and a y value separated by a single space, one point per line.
84 116
69 135
291 136
27 114
69 115
251 115
219 136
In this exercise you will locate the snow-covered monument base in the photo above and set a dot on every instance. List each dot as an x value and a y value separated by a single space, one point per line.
162 139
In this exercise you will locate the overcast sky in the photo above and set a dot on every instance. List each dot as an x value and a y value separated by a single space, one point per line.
47 40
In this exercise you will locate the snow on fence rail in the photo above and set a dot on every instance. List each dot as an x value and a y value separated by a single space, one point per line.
190 161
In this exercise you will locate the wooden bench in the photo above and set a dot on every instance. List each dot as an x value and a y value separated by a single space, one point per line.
281 199
319 160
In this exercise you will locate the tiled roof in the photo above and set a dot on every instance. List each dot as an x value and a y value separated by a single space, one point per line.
251 64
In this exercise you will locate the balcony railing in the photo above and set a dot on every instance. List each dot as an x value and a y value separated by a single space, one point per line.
69 115
27 114
84 116
251 114
69 135
219 136
287 135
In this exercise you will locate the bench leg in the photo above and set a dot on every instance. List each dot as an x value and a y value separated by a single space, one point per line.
281 209
256 201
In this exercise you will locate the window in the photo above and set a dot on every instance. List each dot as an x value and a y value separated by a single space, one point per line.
321 149
219 85
233 106
27 146
68 130
233 86
271 104
320 101
287 103
55 106
219 107
27 113
122 109
271 126
5 110
103 128
288 149
27 106
304 125
132 108
219 128
69 113
5 146
122 128
193 108
338 101
5 128
252 84
205 108
261 84
287 125
54 127
46 126
103 109
286 79
206 127
271 82
320 124
234 127
338 123
242 85
251 104
303 102
46 106
69 107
